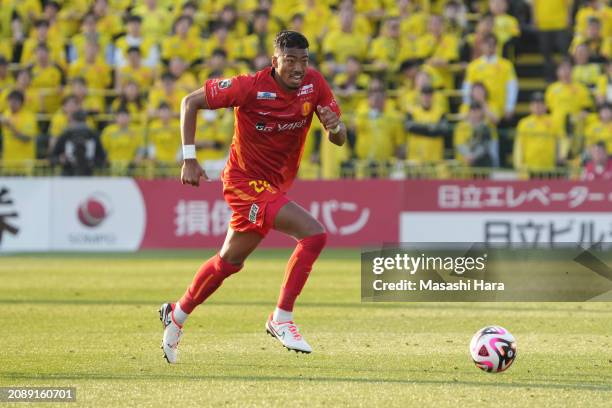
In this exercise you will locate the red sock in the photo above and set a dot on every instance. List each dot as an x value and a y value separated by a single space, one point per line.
300 264
208 279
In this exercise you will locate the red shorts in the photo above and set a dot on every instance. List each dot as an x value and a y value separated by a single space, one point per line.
254 204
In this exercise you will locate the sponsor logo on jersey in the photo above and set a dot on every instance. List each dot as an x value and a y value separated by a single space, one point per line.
291 125
306 108
266 95
306 89
253 213
262 127
225 83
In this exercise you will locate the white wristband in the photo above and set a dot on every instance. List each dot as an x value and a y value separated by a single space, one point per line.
189 152
336 129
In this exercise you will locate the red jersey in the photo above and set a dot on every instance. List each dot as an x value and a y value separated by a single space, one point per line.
271 124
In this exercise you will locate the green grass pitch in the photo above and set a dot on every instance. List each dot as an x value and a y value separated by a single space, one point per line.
91 321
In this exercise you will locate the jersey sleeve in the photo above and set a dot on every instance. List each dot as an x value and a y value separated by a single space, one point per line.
229 92
326 98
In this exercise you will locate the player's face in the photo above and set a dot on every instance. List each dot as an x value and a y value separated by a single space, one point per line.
290 65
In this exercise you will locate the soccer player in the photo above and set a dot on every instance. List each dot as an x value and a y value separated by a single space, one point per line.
273 109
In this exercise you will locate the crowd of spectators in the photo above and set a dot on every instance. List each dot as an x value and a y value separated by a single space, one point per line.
86 84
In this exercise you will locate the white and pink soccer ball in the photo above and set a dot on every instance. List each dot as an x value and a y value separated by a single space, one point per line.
493 349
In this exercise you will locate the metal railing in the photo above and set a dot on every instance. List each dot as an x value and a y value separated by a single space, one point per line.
355 169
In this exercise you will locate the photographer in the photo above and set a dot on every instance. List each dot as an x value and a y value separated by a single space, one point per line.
78 148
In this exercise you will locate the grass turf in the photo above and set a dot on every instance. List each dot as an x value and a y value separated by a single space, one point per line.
90 321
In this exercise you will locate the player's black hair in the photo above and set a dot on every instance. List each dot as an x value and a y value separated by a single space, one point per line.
290 39
163 105
133 48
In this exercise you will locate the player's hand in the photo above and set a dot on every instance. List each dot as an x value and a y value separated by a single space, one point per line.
328 117
192 172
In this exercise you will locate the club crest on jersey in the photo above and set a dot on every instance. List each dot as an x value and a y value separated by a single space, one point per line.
266 95
306 108
306 89
225 83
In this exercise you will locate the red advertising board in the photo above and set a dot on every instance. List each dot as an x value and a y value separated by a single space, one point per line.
123 214
355 213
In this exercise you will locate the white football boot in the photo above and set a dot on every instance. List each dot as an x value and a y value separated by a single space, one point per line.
172 333
289 335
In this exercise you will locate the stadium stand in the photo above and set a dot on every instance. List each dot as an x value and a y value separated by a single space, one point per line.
429 88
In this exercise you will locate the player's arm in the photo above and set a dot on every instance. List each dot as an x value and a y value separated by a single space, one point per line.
215 94
190 105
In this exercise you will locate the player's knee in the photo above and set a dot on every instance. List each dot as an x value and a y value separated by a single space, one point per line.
315 242
313 228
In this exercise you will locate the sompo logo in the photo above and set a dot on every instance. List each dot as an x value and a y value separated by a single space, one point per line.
94 210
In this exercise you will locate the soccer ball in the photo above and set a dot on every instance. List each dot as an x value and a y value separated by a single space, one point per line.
493 349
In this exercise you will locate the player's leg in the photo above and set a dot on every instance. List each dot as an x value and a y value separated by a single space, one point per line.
311 237
236 248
